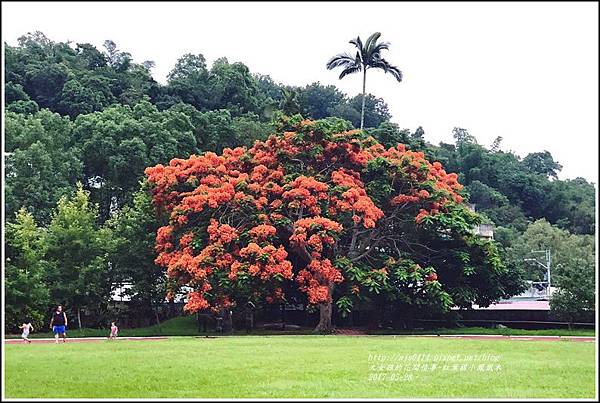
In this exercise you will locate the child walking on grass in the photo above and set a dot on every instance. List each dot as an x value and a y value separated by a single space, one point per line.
114 330
26 328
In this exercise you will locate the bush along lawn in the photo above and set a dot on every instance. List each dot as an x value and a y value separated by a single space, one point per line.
188 326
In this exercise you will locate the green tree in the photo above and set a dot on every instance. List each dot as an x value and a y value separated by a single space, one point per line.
570 204
77 250
374 110
270 95
232 87
91 57
567 250
23 107
133 230
418 139
318 100
85 95
26 292
511 192
575 300
572 267
347 112
188 83
268 88
289 103
117 59
119 142
390 135
216 130
542 163
42 162
14 92
74 79
44 82
368 56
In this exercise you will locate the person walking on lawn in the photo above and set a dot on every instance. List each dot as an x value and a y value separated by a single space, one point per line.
26 327
58 324
114 331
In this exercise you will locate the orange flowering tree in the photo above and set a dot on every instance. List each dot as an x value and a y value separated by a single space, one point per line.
326 211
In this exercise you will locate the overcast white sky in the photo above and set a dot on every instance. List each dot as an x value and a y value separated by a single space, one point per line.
526 72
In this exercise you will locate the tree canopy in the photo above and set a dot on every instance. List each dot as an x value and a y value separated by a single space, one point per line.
328 209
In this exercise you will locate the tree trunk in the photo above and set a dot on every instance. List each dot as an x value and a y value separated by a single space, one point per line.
219 322
171 308
326 310
155 310
79 318
199 321
362 110
325 325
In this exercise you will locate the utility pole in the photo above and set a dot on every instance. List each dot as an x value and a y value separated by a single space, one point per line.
546 266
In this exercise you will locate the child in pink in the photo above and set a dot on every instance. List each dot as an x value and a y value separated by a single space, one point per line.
26 328
114 330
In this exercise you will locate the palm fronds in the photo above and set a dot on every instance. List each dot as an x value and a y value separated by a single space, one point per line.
368 55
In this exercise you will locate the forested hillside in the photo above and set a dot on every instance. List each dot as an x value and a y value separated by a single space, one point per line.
79 114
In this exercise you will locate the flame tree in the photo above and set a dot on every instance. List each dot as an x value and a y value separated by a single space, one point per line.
328 211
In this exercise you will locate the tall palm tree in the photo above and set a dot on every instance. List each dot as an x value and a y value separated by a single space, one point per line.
368 56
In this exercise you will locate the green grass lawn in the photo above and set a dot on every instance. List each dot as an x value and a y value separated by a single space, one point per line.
490 331
299 366
187 326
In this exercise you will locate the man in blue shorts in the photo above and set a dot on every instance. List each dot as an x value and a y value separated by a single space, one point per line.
58 324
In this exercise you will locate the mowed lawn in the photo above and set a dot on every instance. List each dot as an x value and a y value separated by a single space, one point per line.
301 366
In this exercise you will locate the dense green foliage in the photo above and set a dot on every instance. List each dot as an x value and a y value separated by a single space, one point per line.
42 162
26 294
509 192
133 230
187 325
572 267
78 271
75 113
